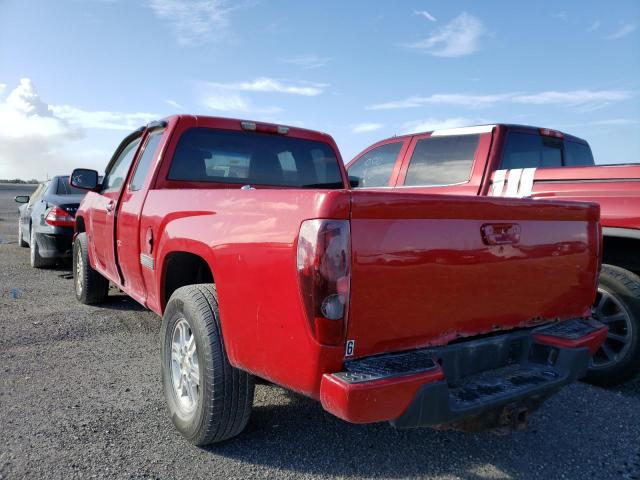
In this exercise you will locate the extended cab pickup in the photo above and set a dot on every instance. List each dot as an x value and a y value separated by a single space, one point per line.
386 306
524 161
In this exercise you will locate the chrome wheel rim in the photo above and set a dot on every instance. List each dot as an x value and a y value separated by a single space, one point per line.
185 371
79 269
609 310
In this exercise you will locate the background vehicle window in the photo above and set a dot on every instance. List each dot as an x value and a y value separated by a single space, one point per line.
373 169
577 154
249 158
142 168
531 151
64 188
115 176
442 160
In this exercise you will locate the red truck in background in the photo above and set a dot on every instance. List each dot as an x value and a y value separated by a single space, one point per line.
385 306
539 163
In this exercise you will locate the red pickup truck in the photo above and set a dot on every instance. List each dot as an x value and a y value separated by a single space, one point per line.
539 163
386 306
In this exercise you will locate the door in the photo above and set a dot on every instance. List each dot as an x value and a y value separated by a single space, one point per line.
132 244
103 208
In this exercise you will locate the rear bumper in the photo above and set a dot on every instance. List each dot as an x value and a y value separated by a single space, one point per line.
55 245
472 381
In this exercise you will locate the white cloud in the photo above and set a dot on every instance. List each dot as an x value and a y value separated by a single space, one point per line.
573 98
307 62
173 103
30 133
266 84
425 14
431 124
194 22
102 119
3 86
463 100
623 31
618 121
366 127
594 26
36 138
458 38
233 103
561 16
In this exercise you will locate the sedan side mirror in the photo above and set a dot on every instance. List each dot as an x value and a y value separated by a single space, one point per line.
21 198
84 178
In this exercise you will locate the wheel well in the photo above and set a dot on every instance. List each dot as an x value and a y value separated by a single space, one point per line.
181 269
622 252
79 225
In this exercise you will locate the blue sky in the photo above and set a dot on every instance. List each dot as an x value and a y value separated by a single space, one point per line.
76 76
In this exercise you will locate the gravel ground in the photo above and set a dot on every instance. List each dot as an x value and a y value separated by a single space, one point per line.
80 397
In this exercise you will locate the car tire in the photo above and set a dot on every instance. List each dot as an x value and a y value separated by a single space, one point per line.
617 306
36 260
90 287
21 241
208 399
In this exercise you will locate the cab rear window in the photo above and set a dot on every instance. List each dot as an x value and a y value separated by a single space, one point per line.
530 150
252 158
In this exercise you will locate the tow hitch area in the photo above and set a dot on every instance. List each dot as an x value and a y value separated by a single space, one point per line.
493 382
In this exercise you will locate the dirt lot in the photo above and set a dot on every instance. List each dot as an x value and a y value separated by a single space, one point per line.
80 397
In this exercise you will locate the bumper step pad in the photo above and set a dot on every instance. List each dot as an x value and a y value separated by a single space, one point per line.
391 365
487 386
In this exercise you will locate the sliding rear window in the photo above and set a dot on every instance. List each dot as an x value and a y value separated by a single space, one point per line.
250 158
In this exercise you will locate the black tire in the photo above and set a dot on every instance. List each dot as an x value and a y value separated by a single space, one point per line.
90 287
618 297
21 241
35 259
224 393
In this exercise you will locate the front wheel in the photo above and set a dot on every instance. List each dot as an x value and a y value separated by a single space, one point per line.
617 306
208 399
90 286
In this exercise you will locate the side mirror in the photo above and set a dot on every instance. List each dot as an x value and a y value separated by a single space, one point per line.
354 182
84 178
21 199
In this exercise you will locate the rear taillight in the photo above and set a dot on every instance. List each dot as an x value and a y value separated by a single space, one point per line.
58 217
324 259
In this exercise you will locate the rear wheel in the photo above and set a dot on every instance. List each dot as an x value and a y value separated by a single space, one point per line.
208 399
617 306
90 286
21 241
35 259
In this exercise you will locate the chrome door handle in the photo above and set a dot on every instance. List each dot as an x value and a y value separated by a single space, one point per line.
109 206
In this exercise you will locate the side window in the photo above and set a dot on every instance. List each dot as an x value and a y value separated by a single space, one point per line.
118 172
442 160
373 169
142 168
577 154
524 150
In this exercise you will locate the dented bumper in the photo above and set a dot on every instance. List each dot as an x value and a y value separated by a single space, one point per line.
475 384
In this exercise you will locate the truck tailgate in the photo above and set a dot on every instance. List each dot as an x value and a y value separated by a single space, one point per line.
428 269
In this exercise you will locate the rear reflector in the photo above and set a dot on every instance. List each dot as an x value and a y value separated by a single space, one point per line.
58 217
547 132
264 128
323 263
